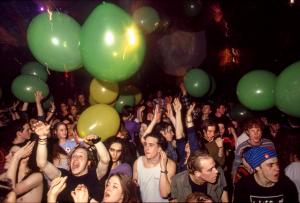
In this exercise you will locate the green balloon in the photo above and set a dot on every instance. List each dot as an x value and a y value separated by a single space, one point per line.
197 82
147 18
24 87
124 100
239 112
112 46
255 90
54 41
287 90
35 69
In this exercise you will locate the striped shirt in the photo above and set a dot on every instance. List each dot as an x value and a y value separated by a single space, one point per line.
240 149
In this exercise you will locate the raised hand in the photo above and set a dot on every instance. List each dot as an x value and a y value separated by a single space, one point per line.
177 105
41 129
219 142
163 160
25 151
80 194
157 113
56 187
191 109
169 111
38 96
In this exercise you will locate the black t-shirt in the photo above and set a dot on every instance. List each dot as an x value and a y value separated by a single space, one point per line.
90 180
198 188
247 190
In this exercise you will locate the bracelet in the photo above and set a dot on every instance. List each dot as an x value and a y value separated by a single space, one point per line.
166 172
52 111
95 141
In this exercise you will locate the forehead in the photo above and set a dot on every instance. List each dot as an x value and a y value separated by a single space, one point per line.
61 126
116 146
211 128
151 140
206 106
80 151
207 163
254 127
114 179
273 160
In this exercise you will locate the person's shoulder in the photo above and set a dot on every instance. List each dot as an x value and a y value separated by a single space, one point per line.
245 181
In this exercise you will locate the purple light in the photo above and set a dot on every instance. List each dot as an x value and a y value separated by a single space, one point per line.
42 8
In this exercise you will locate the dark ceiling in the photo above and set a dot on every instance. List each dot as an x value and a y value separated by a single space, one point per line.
265 33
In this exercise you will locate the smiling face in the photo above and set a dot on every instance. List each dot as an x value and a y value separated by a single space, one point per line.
79 162
254 134
113 190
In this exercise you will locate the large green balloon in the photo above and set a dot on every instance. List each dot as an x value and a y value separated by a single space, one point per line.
147 18
255 90
35 69
112 46
124 100
197 82
54 40
24 87
287 90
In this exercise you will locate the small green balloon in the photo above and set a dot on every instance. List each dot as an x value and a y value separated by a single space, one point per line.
54 41
239 112
124 100
256 90
35 69
197 82
147 18
112 46
287 90
24 87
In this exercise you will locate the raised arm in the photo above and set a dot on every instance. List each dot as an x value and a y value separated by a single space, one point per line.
102 153
191 132
30 182
38 98
42 130
170 114
153 122
22 153
168 169
178 120
50 112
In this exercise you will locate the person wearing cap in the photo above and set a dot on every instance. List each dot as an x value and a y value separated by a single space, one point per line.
265 184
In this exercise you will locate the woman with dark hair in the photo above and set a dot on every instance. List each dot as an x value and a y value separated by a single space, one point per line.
118 152
61 133
119 188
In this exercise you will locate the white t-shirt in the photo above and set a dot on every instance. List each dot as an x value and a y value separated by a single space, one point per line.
293 172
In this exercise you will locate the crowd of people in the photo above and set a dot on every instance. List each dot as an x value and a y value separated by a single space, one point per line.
169 148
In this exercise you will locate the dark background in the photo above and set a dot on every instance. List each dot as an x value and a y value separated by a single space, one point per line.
265 33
